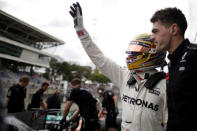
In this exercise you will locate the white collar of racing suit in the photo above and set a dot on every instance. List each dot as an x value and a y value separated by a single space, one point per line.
140 76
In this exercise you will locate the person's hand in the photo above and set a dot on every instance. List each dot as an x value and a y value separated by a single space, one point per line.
78 129
76 13
104 112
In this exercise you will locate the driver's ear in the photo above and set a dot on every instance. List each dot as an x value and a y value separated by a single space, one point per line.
174 28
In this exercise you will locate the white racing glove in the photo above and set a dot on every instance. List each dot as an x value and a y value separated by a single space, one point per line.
76 13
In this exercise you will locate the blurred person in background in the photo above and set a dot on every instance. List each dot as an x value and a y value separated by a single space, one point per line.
37 98
110 103
54 102
16 95
87 106
2 109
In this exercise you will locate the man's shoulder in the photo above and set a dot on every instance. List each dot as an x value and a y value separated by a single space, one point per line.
14 87
39 92
75 89
36 94
13 90
109 93
80 89
191 50
192 46
50 97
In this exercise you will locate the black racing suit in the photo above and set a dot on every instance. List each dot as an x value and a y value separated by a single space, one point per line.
182 89
87 107
108 103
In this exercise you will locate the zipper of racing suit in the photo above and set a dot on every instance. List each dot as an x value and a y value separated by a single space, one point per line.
140 87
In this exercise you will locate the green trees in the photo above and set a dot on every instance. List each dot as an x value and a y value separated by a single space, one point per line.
69 71
98 77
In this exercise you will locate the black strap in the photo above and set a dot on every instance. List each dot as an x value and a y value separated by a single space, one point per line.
154 79
131 80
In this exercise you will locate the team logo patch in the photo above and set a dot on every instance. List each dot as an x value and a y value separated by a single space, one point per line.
155 92
183 57
181 68
140 102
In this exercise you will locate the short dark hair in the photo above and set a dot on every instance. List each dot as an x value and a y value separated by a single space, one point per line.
24 78
168 16
45 84
75 81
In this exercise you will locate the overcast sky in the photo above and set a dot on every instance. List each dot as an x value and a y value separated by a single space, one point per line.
111 23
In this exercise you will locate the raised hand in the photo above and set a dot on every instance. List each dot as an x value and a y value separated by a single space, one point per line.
76 13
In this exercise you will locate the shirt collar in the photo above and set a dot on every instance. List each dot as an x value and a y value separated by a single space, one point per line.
179 49
140 76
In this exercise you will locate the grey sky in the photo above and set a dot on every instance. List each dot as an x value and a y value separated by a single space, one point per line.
2 4
111 23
